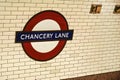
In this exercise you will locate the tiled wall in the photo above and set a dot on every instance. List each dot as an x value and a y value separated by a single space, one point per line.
95 47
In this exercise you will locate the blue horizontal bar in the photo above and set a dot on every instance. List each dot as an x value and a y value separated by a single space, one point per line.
36 36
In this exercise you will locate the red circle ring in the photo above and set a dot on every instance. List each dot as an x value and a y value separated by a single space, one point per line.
48 14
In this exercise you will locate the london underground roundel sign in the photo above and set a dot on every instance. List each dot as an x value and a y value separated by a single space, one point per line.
45 35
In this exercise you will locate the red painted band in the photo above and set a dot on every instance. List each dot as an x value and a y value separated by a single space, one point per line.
49 14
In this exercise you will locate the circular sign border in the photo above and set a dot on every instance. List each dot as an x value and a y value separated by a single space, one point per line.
47 14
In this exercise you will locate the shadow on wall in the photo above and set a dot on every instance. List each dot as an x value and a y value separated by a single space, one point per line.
104 76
